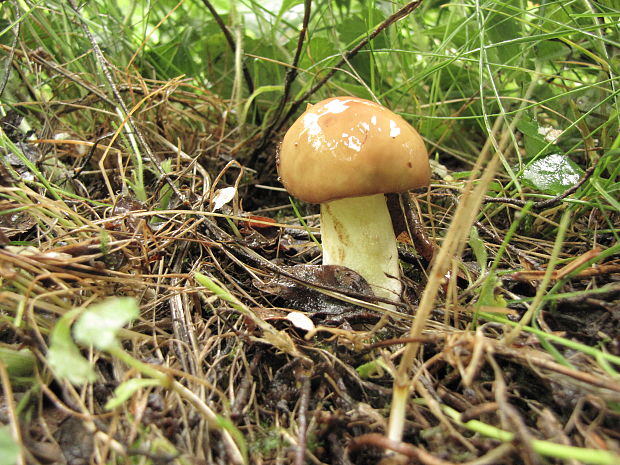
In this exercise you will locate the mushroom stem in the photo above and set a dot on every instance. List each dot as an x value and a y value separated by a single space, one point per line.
357 233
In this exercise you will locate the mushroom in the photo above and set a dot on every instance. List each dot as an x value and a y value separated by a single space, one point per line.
346 153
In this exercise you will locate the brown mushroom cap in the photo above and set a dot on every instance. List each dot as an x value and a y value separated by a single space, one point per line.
351 147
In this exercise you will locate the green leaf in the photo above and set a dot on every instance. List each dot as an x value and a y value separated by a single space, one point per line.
534 141
503 25
19 363
207 282
288 5
374 368
351 29
551 50
237 436
64 357
9 449
552 174
318 49
127 389
488 295
5 26
605 193
99 324
478 247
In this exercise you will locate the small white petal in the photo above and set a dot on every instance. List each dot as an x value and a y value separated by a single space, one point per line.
223 196
301 321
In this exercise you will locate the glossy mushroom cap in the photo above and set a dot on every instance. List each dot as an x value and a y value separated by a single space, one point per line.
351 147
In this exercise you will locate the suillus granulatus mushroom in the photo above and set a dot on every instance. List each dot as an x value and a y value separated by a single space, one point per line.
345 153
